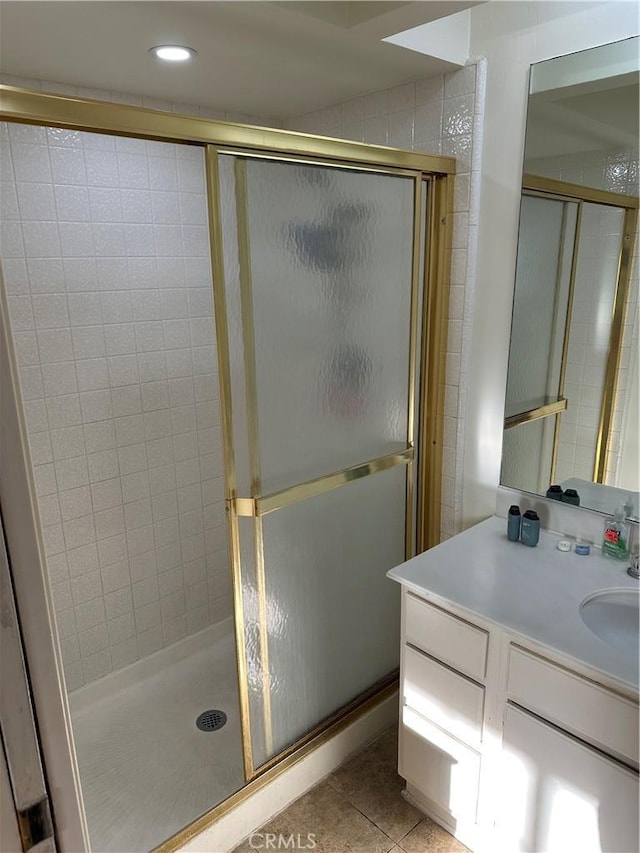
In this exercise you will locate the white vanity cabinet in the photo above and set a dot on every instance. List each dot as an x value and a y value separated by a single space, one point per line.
510 749
558 794
443 667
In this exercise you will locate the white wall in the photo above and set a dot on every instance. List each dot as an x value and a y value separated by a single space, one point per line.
511 36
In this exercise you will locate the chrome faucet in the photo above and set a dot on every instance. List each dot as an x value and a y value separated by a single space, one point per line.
633 569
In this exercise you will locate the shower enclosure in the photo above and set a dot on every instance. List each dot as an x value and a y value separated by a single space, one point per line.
566 392
228 347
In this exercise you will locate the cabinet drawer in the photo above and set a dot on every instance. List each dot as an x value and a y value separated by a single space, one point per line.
582 707
452 701
440 767
446 637
559 795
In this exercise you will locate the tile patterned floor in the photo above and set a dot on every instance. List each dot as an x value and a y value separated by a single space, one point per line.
359 809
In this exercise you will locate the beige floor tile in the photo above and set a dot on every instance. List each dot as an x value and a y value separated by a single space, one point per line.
336 826
371 783
428 837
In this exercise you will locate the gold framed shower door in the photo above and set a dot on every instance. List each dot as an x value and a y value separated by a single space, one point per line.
256 505
552 189
432 228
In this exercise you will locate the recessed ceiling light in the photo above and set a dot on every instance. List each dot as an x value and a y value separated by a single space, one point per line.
173 52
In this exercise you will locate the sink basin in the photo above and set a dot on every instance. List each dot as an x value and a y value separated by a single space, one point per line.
613 615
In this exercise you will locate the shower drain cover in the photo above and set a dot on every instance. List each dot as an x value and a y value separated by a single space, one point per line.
211 721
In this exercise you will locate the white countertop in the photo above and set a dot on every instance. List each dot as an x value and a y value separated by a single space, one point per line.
534 592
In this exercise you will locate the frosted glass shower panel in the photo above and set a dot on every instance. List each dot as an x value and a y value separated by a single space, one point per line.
589 339
236 337
527 452
540 302
330 255
332 615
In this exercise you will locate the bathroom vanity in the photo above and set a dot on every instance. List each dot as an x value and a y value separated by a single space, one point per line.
518 722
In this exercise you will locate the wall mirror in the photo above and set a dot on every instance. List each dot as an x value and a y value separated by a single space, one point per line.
571 413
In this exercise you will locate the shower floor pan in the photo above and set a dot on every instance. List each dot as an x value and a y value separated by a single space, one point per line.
146 770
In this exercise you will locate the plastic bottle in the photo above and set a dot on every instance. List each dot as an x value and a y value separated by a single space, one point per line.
571 497
513 523
615 542
530 529
554 493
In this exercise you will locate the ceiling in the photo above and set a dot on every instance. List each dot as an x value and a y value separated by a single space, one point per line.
594 116
277 59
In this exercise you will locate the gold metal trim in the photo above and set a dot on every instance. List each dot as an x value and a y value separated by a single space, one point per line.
224 374
615 345
344 165
389 682
433 359
570 295
319 485
567 323
265 669
535 414
554 450
245 507
418 227
353 712
577 192
122 119
253 437
567 327
550 196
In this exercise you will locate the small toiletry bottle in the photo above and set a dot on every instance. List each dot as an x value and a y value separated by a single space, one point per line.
615 542
554 493
571 497
530 528
513 523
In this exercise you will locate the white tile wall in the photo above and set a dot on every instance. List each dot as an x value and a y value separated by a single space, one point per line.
614 169
106 266
439 115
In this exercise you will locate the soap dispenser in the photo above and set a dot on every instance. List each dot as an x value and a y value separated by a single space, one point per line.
615 542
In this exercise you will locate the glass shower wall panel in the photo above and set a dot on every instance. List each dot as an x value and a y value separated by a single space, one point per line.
253 637
527 451
110 302
231 263
540 302
107 272
332 615
331 268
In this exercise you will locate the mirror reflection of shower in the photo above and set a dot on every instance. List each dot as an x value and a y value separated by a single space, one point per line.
572 392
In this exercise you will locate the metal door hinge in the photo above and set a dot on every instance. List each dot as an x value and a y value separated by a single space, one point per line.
35 824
